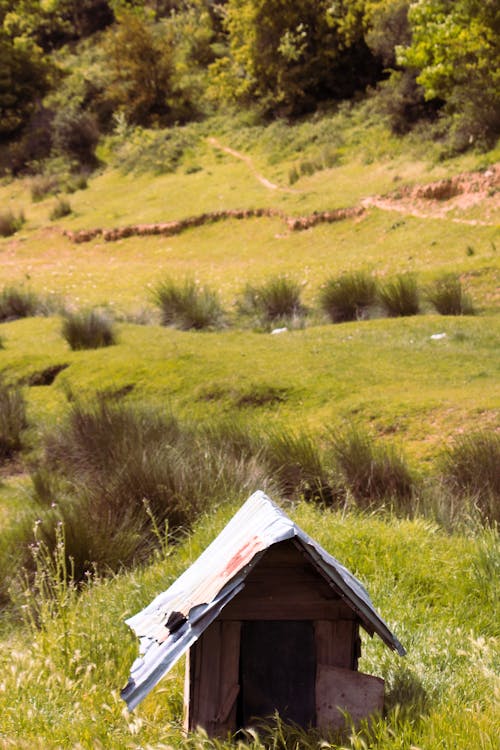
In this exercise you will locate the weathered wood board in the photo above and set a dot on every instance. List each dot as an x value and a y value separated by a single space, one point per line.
342 690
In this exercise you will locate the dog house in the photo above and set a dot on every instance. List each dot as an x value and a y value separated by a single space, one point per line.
270 622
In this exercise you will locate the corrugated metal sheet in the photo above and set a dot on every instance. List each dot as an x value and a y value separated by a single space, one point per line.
176 618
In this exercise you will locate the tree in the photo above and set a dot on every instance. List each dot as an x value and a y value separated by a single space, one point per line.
24 78
456 48
141 59
290 55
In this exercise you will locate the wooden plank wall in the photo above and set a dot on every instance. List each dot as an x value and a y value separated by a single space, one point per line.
214 679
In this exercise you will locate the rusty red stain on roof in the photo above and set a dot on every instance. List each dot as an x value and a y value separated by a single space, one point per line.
243 556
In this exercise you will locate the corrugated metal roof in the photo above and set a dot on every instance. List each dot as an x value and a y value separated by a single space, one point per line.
176 618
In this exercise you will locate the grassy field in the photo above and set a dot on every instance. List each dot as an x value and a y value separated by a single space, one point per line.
418 383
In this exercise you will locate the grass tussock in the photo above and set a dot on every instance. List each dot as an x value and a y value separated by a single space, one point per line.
10 223
276 300
16 302
12 419
119 473
88 329
188 305
470 468
372 472
348 297
298 468
447 295
61 209
400 297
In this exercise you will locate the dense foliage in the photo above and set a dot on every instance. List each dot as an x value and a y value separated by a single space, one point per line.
69 69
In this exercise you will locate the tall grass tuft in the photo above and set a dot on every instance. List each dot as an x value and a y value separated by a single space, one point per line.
188 305
12 419
446 294
348 297
296 465
88 329
10 223
61 209
18 303
277 299
122 472
400 297
470 467
372 472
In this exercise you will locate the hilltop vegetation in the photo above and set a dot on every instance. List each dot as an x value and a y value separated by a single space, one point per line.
75 71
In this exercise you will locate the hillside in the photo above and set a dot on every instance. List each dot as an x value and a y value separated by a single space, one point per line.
193 420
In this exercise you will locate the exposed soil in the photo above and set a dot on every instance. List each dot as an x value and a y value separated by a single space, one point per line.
434 200
437 199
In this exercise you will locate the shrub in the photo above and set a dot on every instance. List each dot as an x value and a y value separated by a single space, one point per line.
10 223
400 297
76 134
348 297
89 329
18 303
371 472
448 296
62 208
470 468
12 419
78 181
43 185
188 305
276 299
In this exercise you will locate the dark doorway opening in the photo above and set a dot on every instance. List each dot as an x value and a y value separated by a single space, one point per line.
277 671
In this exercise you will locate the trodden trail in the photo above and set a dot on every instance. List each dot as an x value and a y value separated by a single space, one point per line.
434 200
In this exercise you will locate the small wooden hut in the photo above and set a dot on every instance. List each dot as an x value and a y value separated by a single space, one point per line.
270 622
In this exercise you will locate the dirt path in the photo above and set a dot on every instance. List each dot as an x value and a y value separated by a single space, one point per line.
249 162
434 200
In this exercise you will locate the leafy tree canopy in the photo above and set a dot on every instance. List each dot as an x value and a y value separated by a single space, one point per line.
456 48
288 55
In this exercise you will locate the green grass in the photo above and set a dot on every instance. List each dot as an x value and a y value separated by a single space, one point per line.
260 398
416 388
423 581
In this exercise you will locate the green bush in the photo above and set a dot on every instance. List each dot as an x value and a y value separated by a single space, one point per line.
88 329
43 185
348 297
470 468
78 181
62 208
10 223
446 294
188 305
371 472
277 299
400 297
18 303
12 419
